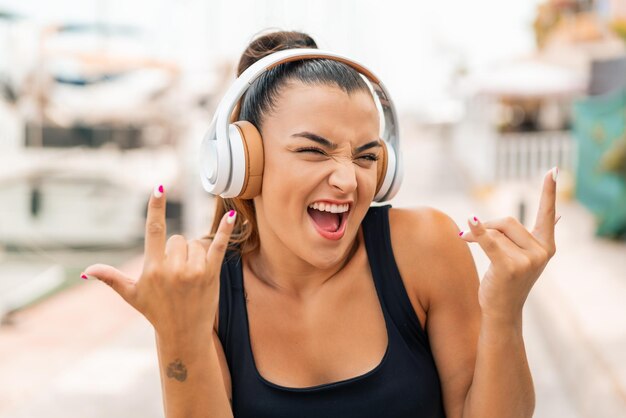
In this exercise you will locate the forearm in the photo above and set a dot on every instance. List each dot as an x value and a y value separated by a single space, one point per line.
502 385
191 378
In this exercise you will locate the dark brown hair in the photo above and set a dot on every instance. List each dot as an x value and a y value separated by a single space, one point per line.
260 99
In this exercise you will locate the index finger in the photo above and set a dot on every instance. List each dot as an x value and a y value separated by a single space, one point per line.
156 233
544 225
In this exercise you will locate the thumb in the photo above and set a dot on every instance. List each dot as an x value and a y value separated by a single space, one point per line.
120 282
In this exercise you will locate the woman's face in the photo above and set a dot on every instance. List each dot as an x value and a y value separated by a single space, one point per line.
320 146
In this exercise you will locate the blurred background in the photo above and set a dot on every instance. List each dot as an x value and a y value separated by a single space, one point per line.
102 99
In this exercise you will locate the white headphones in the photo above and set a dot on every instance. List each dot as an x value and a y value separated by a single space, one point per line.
231 155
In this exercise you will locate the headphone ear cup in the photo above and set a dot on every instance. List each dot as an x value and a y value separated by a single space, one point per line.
390 174
254 159
381 167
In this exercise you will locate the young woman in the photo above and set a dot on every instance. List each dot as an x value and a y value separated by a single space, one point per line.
325 306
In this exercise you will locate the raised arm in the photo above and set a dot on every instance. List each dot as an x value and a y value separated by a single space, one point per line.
178 292
475 326
502 384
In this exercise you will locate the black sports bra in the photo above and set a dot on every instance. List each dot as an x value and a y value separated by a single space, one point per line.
404 384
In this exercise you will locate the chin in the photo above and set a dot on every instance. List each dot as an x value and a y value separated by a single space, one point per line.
323 253
324 259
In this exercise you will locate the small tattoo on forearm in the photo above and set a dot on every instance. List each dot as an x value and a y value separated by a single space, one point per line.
177 370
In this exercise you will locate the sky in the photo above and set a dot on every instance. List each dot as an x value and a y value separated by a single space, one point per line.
413 46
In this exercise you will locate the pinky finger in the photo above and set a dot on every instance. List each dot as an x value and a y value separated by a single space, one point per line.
217 249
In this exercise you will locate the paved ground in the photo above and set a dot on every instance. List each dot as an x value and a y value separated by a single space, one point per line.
85 354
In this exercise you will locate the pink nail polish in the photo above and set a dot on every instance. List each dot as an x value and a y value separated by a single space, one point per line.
84 276
475 219
461 233
161 188
231 217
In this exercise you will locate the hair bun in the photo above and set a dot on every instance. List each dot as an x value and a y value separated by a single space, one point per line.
271 42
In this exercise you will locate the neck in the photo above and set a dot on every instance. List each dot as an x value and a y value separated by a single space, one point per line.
289 274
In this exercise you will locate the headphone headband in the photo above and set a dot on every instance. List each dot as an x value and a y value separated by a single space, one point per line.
221 123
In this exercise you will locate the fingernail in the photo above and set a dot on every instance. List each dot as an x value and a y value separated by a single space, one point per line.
158 191
555 173
232 215
84 276
473 220
461 233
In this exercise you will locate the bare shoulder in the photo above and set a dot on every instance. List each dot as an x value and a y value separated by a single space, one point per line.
438 266
428 250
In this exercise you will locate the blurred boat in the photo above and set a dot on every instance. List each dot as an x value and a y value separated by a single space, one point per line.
92 129
78 197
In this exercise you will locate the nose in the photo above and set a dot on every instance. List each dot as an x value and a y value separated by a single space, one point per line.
343 177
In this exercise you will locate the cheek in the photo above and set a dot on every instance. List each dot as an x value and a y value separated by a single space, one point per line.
367 180
284 176
287 185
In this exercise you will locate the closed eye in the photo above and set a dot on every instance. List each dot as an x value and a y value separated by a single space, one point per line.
319 151
369 157
312 150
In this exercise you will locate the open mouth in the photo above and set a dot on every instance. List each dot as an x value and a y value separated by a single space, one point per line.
329 219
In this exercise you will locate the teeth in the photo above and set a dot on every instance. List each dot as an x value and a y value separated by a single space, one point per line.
332 208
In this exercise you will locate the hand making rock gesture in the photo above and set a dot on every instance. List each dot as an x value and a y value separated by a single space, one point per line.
518 257
179 285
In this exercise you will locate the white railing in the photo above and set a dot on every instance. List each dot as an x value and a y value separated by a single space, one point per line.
524 156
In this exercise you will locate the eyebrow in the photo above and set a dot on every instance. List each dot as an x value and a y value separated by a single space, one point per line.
331 145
